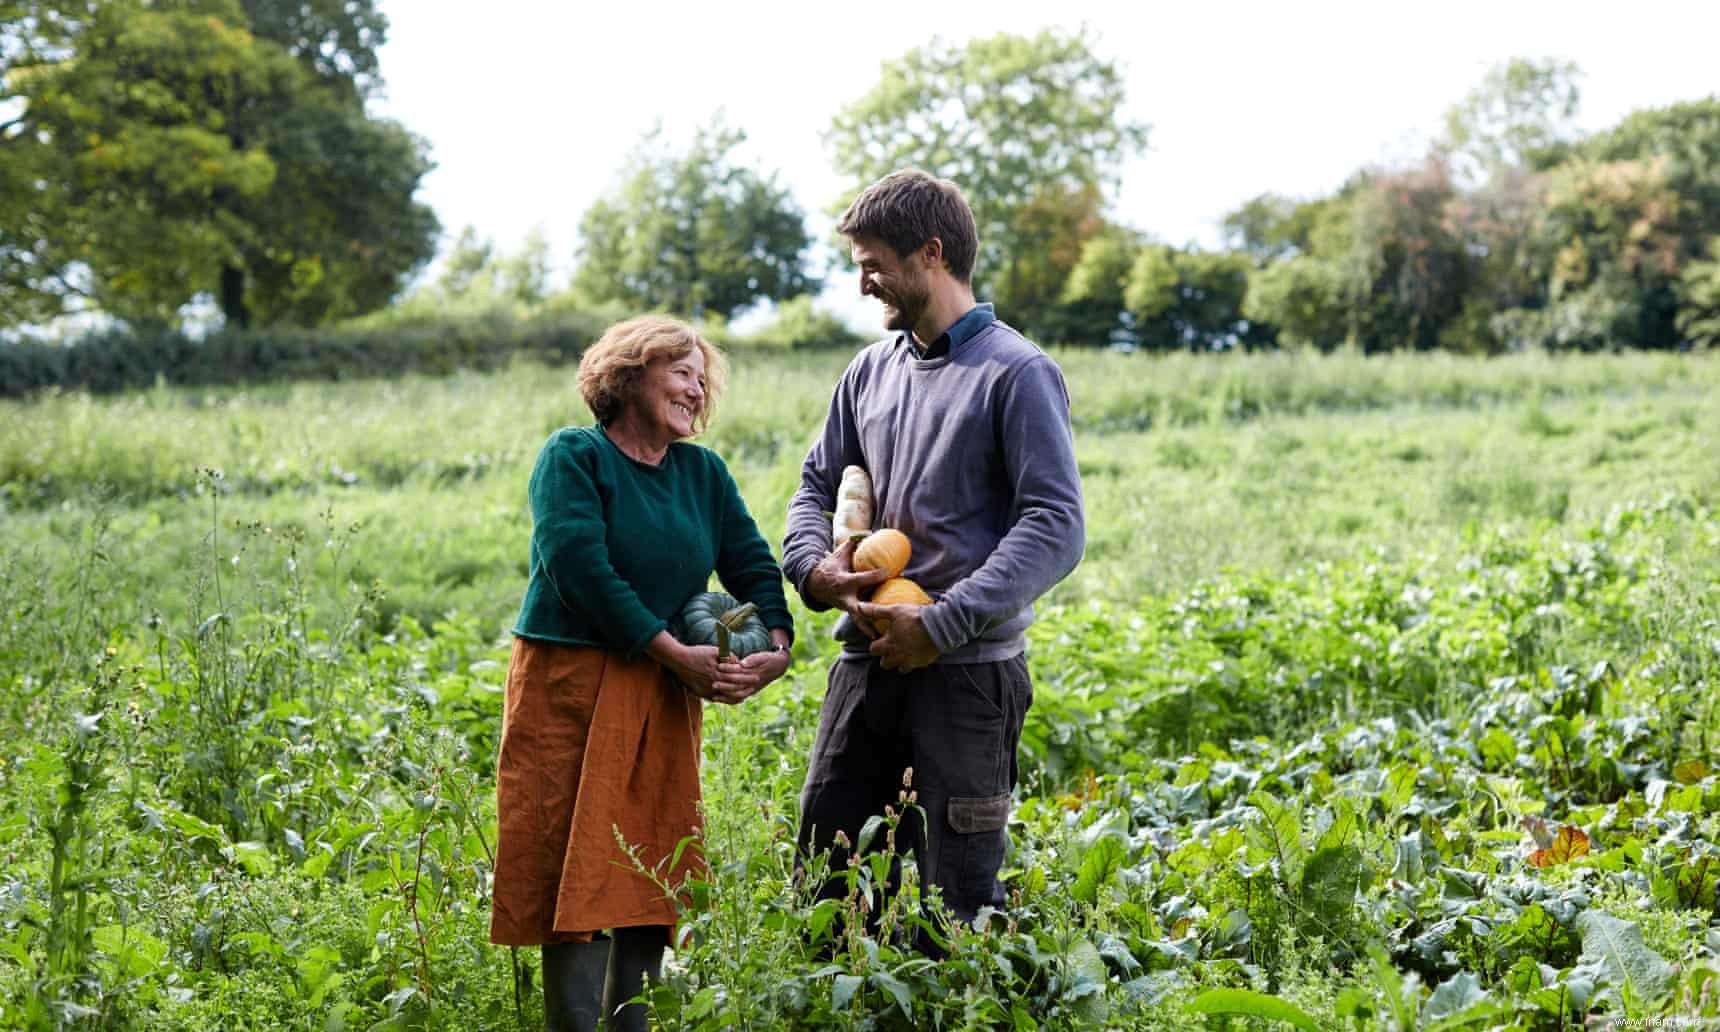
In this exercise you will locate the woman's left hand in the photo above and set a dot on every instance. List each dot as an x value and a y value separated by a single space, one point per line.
768 665
740 679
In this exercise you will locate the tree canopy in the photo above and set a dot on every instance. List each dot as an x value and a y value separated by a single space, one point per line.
691 232
1032 128
173 149
1522 114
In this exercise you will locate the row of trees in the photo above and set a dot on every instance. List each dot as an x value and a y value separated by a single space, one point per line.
154 149
1514 231
1032 128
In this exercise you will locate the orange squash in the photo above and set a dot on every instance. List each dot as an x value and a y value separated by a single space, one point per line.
886 549
897 591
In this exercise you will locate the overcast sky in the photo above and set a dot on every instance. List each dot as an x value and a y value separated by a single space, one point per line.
530 105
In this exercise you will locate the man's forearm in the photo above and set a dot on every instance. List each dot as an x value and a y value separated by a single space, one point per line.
1040 550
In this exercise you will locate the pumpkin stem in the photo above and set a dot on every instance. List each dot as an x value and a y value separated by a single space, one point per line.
722 641
733 619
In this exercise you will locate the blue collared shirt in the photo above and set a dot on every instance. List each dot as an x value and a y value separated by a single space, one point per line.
977 318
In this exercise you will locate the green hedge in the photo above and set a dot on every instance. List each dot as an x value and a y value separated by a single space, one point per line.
117 359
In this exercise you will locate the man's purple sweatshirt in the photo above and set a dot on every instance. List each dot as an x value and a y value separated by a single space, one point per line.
972 456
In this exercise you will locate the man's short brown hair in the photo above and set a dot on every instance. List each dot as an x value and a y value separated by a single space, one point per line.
907 208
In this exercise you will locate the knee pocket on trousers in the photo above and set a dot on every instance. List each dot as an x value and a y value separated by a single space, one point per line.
968 815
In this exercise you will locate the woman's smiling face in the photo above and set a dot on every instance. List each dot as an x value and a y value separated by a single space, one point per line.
672 394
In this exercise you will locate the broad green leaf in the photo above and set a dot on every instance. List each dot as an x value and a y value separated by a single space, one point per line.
823 916
704 1002
1343 831
1253 1004
253 857
1455 995
192 825
316 865
1498 748
1278 834
842 991
134 950
1616 947
1694 883
1097 866
869 831
897 990
1407 865
1330 882
1091 977
1400 788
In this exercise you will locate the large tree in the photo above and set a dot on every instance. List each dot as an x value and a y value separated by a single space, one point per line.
1615 229
1163 298
33 263
1032 129
1191 299
692 233
1699 300
176 152
1522 115
1271 226
1091 308
1379 266
336 39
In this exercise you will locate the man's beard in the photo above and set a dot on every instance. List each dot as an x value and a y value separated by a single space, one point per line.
903 311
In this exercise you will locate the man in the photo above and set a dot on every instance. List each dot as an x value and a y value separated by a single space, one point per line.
963 425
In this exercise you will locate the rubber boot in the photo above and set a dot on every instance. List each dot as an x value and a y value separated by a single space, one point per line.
636 956
573 982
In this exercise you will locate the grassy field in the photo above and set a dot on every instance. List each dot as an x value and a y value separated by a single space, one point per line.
1349 635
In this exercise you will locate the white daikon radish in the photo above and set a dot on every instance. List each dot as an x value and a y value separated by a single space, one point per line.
853 506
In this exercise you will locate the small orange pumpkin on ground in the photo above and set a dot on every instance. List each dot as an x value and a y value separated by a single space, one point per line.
897 591
886 549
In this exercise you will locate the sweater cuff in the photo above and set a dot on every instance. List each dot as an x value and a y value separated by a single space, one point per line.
636 648
812 605
938 619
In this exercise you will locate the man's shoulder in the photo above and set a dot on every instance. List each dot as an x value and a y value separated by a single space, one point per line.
1004 343
869 359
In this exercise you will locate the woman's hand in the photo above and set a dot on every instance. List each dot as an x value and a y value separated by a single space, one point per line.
740 679
728 681
737 681
766 666
695 666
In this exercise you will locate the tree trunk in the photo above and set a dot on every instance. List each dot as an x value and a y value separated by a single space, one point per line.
233 298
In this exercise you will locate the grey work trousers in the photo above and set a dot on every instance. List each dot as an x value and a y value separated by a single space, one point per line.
957 725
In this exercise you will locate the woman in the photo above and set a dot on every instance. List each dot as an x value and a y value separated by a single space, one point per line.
600 732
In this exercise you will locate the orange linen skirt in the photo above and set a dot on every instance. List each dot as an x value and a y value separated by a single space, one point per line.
592 742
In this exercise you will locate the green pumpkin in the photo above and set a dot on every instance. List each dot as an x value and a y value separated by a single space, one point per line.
712 616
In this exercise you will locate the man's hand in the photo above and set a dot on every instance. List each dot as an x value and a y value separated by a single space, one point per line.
906 645
834 583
